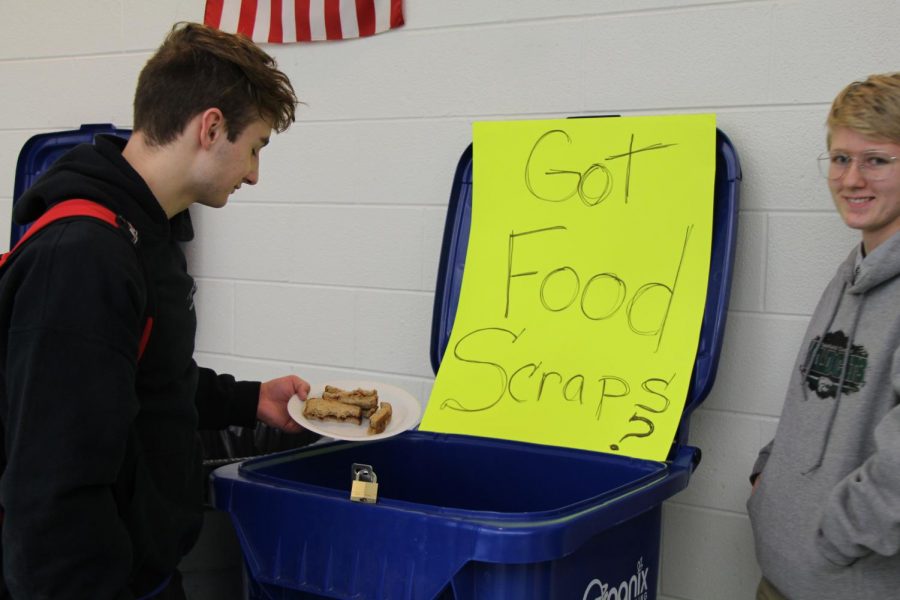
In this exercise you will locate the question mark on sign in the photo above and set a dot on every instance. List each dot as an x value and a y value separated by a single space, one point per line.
635 417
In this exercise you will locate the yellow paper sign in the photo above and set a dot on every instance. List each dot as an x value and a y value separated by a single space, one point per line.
585 283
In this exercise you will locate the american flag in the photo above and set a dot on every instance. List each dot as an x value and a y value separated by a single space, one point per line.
286 21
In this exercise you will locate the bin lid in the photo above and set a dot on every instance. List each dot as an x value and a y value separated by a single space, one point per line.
42 150
725 212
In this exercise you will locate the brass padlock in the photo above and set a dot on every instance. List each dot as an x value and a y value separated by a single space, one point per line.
364 483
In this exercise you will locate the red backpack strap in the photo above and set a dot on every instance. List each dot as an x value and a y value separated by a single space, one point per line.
145 337
80 207
69 208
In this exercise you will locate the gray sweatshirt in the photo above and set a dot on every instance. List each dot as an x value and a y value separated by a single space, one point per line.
826 515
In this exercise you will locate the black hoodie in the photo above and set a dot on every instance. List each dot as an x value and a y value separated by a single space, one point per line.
102 487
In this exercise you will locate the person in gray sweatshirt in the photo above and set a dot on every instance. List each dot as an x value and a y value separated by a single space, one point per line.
825 505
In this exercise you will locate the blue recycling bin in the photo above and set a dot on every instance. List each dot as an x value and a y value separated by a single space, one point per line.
469 518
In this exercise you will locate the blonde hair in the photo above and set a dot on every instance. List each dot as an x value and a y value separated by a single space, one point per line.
870 107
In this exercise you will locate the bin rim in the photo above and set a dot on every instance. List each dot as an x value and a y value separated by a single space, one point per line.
484 536
653 473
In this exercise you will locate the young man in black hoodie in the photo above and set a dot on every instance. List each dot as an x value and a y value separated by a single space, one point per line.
101 489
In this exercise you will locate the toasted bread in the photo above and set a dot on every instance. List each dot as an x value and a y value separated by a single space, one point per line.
358 397
324 409
379 421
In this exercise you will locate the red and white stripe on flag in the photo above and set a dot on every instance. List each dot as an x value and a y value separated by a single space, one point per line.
286 21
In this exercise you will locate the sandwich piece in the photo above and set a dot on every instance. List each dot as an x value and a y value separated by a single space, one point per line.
324 409
359 397
380 418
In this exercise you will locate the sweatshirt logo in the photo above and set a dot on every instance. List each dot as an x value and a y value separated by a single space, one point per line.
825 370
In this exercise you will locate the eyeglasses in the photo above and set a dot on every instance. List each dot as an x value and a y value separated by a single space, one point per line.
874 166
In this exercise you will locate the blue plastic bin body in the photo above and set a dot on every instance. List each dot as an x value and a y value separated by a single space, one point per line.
456 517
41 151
468 518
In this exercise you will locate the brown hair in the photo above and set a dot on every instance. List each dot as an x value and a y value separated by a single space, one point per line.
197 68
870 107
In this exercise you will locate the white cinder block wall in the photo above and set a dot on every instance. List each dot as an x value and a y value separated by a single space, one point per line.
327 267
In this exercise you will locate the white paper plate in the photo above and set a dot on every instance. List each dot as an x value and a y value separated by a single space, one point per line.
405 412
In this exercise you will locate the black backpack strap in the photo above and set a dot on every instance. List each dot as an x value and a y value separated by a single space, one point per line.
80 207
